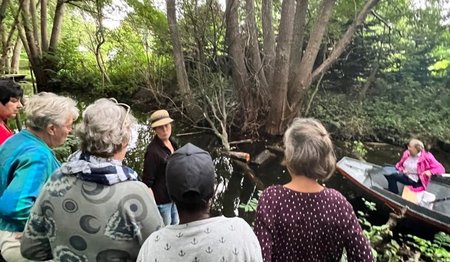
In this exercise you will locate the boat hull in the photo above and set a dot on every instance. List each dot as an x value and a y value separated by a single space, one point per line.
370 178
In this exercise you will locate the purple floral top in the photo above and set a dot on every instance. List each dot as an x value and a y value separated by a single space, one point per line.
295 226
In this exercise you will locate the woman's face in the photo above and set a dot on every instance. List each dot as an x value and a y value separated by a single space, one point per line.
59 133
164 132
11 109
412 150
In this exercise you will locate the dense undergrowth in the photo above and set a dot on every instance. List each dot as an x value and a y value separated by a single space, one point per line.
390 113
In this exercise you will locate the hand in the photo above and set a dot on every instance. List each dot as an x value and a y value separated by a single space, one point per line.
427 173
18 235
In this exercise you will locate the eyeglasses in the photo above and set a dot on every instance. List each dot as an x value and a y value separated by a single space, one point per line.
127 108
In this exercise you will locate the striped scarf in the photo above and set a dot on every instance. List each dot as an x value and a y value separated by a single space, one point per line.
97 169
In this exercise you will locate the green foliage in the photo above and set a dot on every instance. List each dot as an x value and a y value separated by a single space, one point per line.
436 250
65 150
359 149
134 158
396 112
384 248
252 203
250 206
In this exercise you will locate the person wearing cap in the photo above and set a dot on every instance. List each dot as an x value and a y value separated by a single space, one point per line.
93 208
155 160
190 178
10 104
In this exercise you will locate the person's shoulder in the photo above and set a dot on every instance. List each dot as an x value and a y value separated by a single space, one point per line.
236 221
427 154
333 195
133 187
336 199
274 189
234 225
154 146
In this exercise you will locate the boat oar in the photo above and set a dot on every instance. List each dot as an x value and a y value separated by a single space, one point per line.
438 200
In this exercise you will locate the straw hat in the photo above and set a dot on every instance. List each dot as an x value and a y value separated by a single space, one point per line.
160 118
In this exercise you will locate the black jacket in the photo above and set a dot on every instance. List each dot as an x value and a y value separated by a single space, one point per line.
154 174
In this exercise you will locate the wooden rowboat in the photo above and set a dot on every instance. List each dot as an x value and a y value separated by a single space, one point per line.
370 178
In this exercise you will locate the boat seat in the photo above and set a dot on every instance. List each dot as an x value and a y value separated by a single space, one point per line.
422 198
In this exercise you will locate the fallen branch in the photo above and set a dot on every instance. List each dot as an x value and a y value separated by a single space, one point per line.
241 141
277 149
250 174
237 155
191 133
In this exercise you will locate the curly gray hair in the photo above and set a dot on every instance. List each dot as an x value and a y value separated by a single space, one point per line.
308 149
105 128
46 108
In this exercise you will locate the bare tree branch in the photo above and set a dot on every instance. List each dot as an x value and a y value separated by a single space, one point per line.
339 48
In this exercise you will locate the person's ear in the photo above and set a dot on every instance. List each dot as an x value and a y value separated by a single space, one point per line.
51 129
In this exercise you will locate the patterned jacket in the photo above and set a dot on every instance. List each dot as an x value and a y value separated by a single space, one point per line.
92 209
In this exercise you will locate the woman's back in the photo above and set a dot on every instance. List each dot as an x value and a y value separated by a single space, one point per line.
295 226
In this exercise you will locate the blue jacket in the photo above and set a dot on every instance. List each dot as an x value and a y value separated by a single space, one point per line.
26 163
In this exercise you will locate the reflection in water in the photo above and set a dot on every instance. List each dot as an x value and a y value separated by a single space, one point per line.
234 188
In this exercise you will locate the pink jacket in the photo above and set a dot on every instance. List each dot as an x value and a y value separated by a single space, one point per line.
426 162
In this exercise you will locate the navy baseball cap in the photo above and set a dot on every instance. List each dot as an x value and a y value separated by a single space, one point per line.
190 175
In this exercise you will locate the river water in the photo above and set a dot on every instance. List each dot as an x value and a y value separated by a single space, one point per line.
234 187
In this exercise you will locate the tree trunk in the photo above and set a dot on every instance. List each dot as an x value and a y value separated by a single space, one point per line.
256 67
34 25
15 60
237 57
274 124
100 40
285 105
302 79
268 40
299 34
182 79
193 109
3 6
6 42
5 48
44 36
369 81
29 34
31 42
57 22
339 48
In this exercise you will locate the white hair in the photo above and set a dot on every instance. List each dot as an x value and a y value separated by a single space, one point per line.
417 144
106 126
47 108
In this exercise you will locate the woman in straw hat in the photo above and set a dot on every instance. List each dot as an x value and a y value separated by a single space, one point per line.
155 161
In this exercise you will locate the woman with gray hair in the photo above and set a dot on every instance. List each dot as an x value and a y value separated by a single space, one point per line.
94 208
27 161
303 220
414 169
